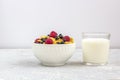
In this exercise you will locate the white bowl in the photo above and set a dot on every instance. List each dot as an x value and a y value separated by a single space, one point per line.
53 54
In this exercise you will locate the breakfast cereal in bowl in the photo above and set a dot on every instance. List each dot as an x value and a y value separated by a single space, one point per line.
54 49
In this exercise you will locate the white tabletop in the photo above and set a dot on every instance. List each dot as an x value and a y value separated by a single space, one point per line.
20 64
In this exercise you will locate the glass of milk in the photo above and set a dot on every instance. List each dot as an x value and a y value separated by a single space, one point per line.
95 48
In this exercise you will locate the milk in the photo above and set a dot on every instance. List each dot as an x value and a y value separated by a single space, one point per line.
95 50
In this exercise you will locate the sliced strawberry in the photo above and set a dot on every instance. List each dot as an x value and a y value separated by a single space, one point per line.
66 38
49 41
37 40
53 34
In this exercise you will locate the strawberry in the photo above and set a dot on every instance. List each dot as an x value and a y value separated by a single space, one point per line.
66 38
48 41
53 34
37 40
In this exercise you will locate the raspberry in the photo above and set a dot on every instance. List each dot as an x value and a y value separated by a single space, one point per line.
66 38
49 41
53 34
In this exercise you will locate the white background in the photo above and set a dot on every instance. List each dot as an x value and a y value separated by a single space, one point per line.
21 21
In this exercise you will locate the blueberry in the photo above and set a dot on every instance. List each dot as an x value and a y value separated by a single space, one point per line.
43 39
61 36
58 43
56 38
62 42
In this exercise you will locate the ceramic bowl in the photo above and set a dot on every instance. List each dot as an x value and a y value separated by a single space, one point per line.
53 54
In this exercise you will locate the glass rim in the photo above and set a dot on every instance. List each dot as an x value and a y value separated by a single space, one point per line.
97 33
93 34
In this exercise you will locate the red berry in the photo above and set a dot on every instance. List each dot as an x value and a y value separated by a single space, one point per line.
37 40
53 34
66 38
49 41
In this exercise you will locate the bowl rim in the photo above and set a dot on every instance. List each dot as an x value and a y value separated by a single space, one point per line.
54 44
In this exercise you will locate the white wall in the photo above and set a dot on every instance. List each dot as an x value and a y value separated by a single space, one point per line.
21 21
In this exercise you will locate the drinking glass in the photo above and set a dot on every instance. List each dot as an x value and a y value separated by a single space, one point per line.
95 48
